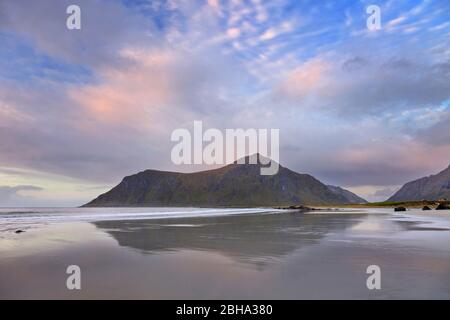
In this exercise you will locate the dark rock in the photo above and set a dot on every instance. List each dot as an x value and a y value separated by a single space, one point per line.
400 209
298 207
426 208
19 231
443 206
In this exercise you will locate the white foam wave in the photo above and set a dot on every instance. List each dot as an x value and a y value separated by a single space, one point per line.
100 214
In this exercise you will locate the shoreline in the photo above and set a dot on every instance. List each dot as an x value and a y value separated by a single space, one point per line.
417 211
433 214
234 256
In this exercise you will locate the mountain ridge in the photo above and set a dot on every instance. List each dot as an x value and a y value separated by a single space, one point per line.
234 185
352 197
433 187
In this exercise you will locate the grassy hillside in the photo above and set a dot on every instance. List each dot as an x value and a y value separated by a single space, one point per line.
407 204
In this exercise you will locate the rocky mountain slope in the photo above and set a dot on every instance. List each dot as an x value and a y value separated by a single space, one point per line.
434 187
235 185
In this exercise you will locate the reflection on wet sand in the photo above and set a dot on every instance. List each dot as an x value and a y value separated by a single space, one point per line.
248 238
420 226
263 256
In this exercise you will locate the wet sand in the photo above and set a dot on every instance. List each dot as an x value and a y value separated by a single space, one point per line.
250 256
432 213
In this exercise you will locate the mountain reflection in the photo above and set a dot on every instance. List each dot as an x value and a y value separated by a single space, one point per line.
252 238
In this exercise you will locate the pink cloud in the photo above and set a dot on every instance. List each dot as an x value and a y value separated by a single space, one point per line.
131 93
306 78
403 156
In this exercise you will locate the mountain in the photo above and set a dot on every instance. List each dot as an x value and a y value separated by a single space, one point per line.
235 185
350 196
434 187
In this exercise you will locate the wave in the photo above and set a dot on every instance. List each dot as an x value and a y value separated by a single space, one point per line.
8 216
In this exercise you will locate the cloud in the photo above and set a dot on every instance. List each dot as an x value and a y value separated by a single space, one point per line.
233 33
214 3
44 24
9 195
441 26
101 103
305 79
133 92
374 193
121 122
356 154
437 134
396 21
398 163
274 32
361 86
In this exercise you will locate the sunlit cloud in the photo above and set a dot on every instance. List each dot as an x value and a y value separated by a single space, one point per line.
97 105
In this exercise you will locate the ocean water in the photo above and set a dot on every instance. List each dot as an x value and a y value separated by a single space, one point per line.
17 218
192 253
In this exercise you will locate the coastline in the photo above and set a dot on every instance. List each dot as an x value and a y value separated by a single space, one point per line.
410 210
432 213
261 256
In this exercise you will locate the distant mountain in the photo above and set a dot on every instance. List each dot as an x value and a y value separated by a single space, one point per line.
434 187
235 185
350 196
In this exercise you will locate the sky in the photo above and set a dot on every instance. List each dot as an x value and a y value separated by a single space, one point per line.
364 109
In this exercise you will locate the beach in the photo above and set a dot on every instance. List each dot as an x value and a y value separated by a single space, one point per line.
444 214
189 253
